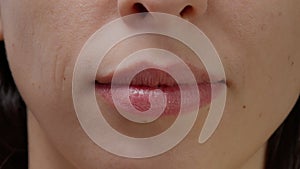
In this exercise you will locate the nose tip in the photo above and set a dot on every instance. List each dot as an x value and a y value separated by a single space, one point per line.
181 8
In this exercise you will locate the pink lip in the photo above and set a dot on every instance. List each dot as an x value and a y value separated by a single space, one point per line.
145 84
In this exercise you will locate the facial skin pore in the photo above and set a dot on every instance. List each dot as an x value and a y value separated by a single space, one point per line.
258 43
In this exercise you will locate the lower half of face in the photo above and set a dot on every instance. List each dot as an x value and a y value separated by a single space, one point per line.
257 43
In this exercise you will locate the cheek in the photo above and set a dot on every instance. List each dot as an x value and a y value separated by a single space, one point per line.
265 37
44 40
269 43
259 45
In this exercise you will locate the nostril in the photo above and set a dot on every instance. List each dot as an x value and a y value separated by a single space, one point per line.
186 11
139 8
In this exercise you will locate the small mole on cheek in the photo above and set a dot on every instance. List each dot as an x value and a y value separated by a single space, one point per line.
292 64
244 107
33 85
291 61
263 27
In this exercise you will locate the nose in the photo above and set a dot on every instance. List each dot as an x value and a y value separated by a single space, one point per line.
188 9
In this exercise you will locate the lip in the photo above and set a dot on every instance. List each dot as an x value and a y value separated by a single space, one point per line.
146 83
201 76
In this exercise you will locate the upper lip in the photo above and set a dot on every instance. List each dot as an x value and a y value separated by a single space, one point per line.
156 77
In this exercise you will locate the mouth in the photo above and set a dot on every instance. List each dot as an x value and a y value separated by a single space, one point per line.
145 83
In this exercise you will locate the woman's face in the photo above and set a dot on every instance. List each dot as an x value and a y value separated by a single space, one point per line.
258 43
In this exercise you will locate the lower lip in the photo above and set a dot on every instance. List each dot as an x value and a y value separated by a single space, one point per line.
139 96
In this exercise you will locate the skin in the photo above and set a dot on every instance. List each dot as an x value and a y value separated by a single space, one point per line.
258 42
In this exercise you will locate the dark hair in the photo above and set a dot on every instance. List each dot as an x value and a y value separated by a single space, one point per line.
283 151
13 122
